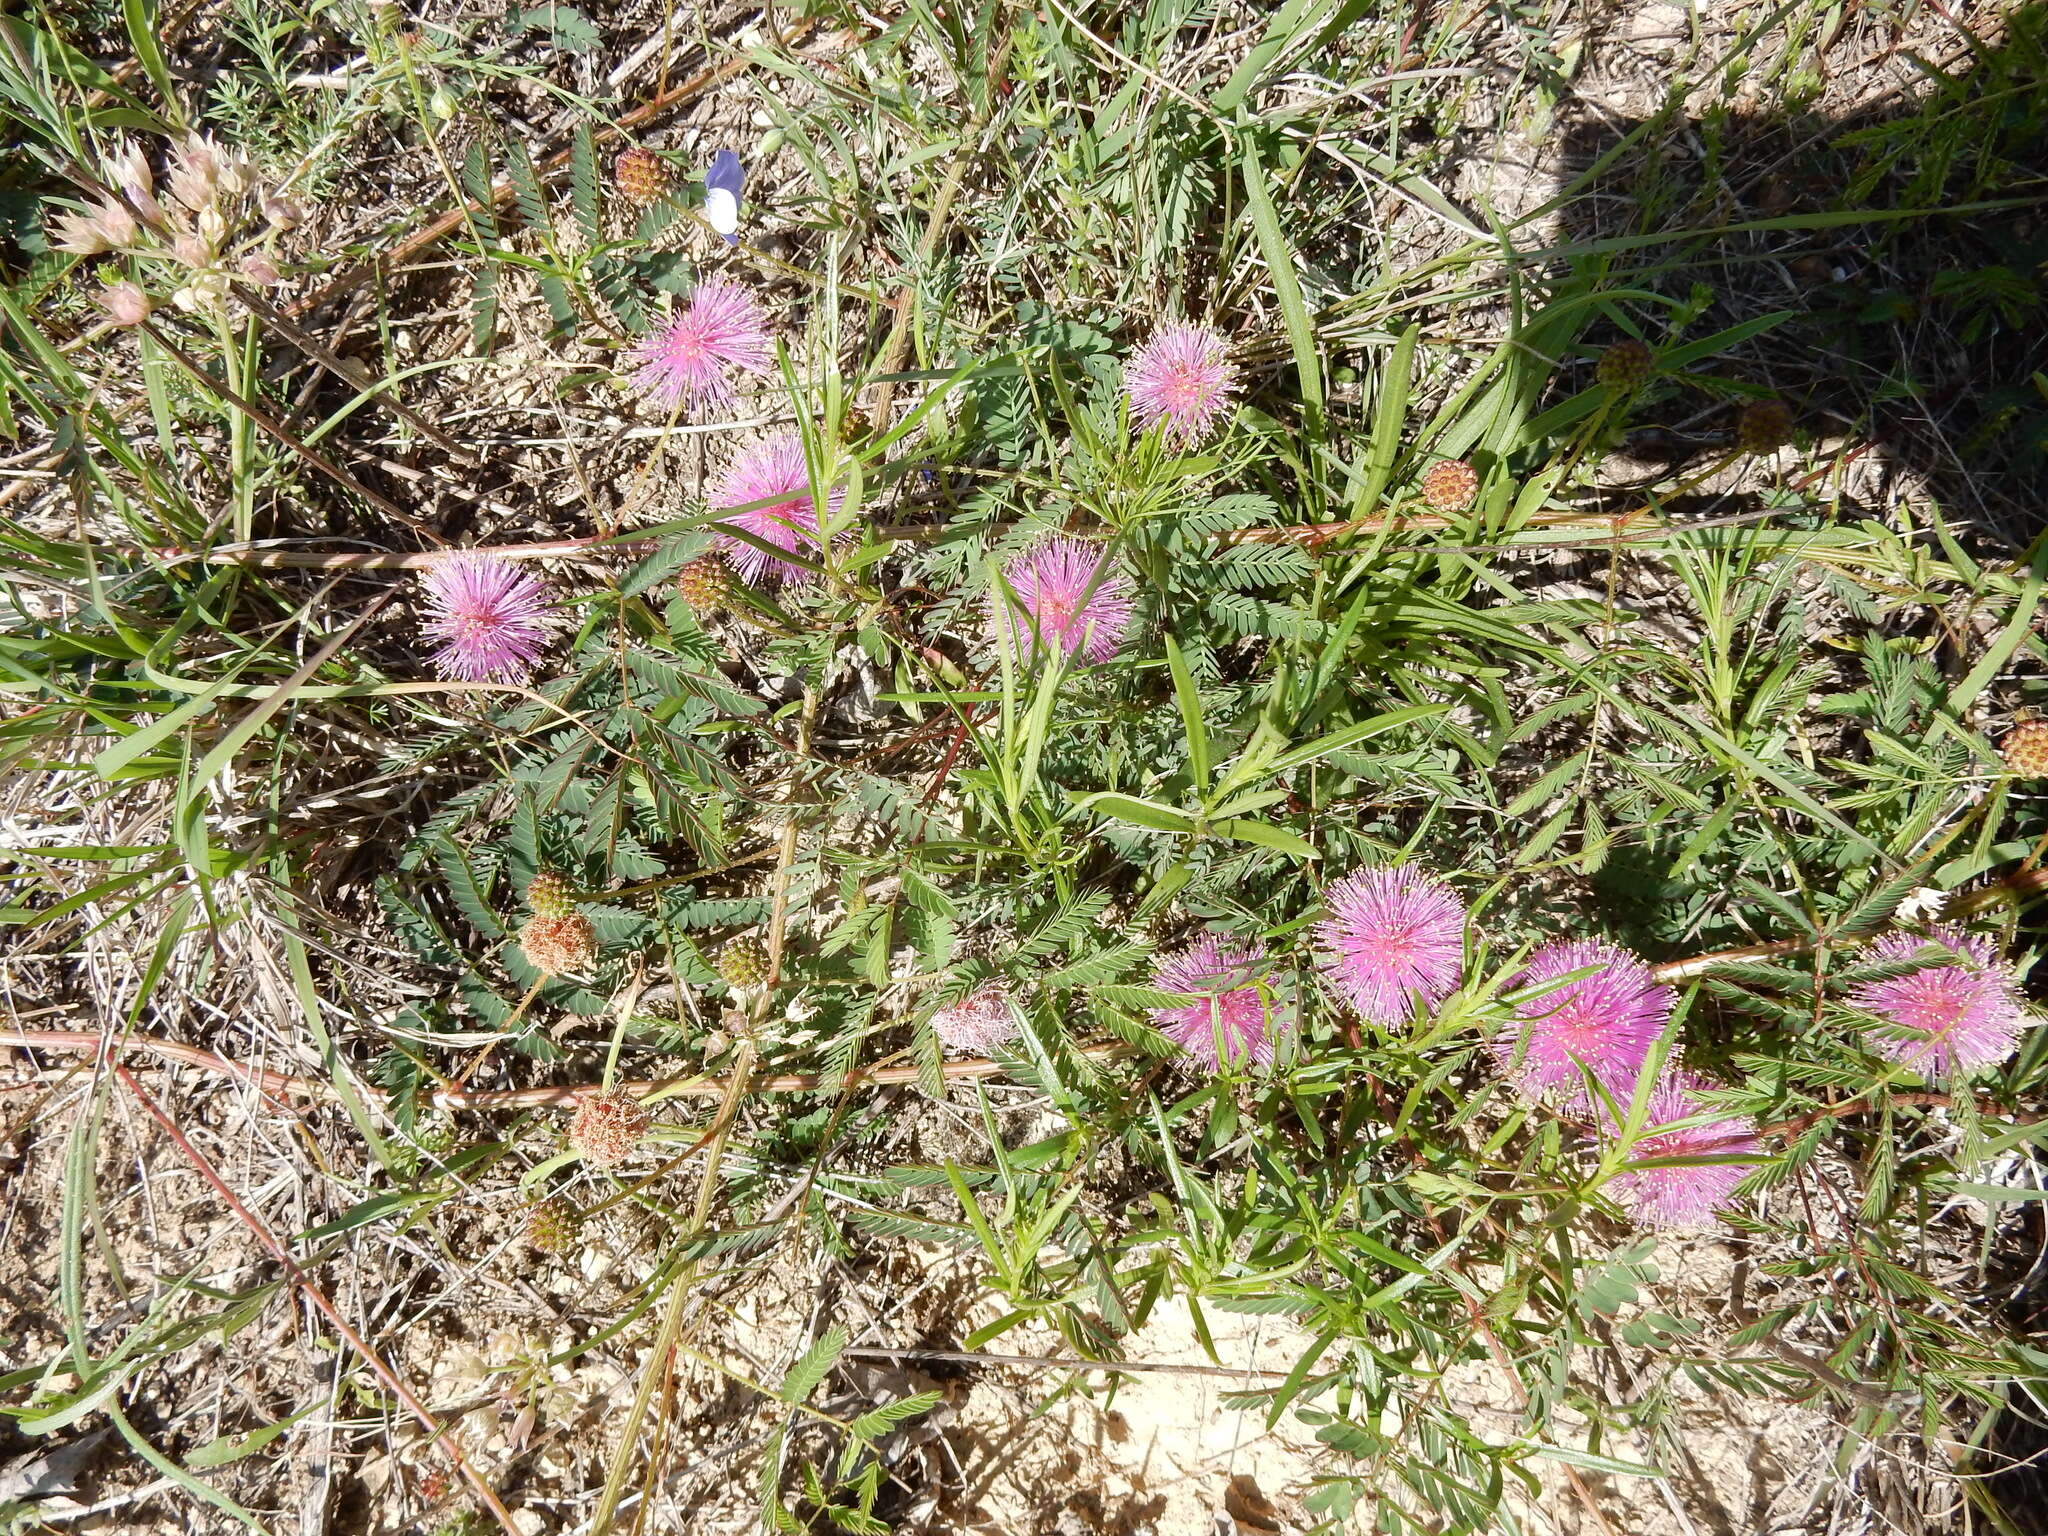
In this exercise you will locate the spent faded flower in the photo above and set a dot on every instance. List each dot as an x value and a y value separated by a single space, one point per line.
1391 934
1962 1011
1233 1017
124 303
607 1127
1183 378
1686 1194
980 1022
109 227
690 361
1063 592
488 615
127 169
775 473
1605 1021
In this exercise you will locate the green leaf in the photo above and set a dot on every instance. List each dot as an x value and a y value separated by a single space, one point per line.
1301 335
218 1453
815 1365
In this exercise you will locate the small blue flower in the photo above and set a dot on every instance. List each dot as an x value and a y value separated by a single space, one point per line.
722 194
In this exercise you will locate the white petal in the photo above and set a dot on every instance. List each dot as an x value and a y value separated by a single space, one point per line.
721 211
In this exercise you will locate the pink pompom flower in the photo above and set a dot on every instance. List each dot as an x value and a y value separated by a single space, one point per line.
1964 1011
691 360
1063 593
1685 1194
1605 1022
1182 380
980 1022
1392 935
775 473
1234 1017
489 616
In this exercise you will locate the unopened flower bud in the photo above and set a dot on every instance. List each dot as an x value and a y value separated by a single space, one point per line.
1764 426
553 1225
550 894
125 303
1450 485
213 226
261 270
283 212
2025 749
191 250
743 964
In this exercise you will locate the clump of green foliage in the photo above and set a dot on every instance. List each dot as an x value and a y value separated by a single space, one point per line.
1741 738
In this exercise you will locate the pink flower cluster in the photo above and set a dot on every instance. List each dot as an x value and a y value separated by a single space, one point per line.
1587 1013
690 363
1959 1013
1233 1014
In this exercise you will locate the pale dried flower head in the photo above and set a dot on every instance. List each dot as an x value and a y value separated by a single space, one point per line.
195 172
607 1127
125 303
127 168
205 294
559 944
979 1023
108 227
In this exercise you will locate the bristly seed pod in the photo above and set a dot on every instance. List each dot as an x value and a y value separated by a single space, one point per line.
553 1225
640 176
2025 749
1626 366
743 964
1764 426
550 895
607 1127
1450 486
705 584
559 946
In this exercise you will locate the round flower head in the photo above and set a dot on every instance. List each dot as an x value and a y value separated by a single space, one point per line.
1605 1022
773 472
1182 377
607 1127
1684 1195
1063 593
1391 934
979 1022
1963 1011
690 361
1233 1021
558 943
487 613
